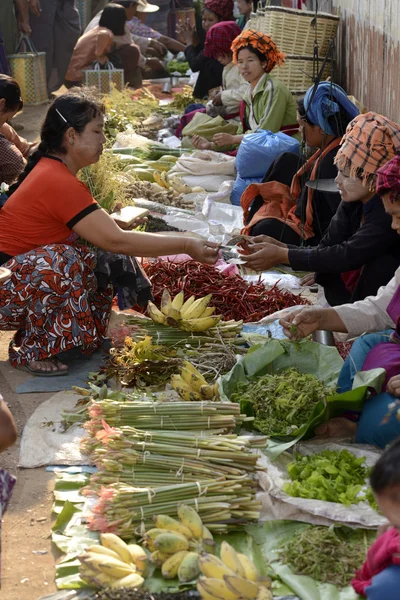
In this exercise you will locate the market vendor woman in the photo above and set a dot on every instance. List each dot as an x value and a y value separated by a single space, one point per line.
282 206
268 103
52 298
360 251
379 317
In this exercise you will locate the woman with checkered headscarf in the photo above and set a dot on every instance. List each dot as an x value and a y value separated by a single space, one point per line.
359 251
369 158
267 104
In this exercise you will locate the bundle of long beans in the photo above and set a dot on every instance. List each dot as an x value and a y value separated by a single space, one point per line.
128 511
147 458
175 416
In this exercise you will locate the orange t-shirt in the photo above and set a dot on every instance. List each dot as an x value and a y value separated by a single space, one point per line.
44 209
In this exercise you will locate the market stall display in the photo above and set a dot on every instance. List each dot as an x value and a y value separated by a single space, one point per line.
192 434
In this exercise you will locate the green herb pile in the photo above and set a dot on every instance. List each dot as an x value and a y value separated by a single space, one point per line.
329 555
332 475
283 402
176 66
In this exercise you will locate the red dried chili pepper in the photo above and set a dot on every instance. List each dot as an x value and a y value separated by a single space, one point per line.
233 297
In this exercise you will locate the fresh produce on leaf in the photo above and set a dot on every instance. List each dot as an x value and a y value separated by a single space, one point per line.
327 554
113 564
331 475
176 545
192 386
231 577
283 402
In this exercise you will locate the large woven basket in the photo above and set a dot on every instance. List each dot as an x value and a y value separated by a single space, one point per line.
297 71
85 12
293 30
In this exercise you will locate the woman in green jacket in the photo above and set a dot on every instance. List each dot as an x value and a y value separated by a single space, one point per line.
268 104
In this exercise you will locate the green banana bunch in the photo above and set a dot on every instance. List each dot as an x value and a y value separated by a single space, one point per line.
231 577
176 545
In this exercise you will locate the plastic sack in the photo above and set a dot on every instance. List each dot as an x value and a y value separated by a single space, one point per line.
258 151
239 187
207 127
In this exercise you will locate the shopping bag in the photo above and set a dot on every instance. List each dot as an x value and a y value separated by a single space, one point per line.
104 78
258 151
29 69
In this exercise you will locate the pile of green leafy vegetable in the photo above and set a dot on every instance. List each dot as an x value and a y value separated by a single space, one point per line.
176 66
282 403
330 555
331 475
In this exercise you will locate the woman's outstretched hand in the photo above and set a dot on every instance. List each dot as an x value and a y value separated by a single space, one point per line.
300 323
202 250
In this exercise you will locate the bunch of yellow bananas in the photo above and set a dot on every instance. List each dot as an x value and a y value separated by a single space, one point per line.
172 181
176 545
113 564
191 385
192 315
232 577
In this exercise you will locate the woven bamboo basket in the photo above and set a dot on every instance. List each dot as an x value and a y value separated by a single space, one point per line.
297 71
85 12
293 30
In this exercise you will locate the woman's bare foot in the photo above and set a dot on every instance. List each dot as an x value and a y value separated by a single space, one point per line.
339 427
48 366
201 143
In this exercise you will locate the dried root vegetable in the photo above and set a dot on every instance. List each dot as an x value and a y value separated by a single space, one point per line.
283 402
329 555
154 193
232 296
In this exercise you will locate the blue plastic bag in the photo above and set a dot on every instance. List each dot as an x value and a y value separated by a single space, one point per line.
239 187
258 151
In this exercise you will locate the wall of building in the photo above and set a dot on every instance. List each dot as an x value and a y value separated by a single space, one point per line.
369 53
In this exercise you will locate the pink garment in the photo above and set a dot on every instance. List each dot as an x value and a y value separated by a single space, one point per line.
382 554
387 354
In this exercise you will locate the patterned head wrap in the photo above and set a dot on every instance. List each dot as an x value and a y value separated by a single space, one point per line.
326 101
370 141
222 8
219 38
261 42
389 179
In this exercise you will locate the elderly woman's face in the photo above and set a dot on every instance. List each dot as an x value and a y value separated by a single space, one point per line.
393 209
351 189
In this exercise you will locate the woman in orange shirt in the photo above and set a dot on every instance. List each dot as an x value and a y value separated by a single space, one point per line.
97 45
52 298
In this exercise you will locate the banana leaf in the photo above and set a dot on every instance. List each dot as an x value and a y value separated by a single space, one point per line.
308 357
273 536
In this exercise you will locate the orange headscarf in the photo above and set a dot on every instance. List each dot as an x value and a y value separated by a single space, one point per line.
370 141
261 42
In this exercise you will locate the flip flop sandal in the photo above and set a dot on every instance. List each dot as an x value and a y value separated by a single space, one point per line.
38 373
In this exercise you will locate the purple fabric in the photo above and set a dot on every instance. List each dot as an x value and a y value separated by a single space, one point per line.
7 483
387 355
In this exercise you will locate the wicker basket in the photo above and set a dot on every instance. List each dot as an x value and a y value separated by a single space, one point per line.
297 72
293 30
85 12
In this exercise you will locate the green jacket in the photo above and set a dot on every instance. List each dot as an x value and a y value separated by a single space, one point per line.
273 106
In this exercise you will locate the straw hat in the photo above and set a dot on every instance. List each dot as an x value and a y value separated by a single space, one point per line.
146 7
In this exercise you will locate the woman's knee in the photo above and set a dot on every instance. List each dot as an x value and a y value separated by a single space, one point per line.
385 585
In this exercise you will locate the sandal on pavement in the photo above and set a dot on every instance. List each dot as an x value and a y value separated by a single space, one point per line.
39 373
